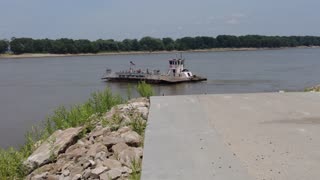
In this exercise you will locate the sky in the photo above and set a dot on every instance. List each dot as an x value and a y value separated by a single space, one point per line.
121 19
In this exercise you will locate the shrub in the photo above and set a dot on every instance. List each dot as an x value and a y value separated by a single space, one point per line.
144 89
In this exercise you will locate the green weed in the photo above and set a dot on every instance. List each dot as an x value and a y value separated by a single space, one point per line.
136 170
138 125
144 89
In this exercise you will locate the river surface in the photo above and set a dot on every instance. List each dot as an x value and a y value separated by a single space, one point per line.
32 88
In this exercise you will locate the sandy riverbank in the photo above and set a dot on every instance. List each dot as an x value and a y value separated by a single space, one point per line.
12 56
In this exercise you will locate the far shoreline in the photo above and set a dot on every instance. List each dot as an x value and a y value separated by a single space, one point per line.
22 56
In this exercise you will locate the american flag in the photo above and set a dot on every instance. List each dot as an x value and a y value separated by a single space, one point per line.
131 63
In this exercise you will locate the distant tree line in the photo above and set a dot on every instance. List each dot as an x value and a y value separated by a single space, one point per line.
3 46
70 46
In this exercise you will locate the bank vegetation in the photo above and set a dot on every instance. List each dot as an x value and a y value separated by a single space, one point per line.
150 44
84 116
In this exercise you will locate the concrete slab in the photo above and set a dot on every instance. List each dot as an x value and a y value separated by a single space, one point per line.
233 136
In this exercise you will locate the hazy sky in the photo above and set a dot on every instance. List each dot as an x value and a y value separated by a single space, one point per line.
120 19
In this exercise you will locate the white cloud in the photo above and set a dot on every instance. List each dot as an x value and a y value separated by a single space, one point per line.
235 19
238 15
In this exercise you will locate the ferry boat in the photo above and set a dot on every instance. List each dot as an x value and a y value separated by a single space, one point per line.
177 73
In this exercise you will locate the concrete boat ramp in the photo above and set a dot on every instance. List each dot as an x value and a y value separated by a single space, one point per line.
233 137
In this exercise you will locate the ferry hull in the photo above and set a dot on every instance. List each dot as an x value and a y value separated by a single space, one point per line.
154 81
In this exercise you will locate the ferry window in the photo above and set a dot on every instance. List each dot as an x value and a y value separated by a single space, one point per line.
170 62
189 74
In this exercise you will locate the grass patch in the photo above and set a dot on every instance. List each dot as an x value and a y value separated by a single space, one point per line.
144 89
137 123
11 159
136 170
115 122
99 103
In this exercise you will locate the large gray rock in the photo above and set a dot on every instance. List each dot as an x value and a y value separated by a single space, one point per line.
48 168
44 176
75 153
112 174
112 164
110 140
52 177
100 132
102 156
96 148
77 177
62 177
86 174
130 155
40 176
55 144
124 129
118 148
132 138
76 169
75 147
66 172
99 170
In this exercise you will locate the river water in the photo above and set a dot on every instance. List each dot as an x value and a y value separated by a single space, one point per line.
32 88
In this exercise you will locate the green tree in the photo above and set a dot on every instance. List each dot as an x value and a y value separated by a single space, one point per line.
127 45
84 46
95 47
227 41
151 44
135 46
107 45
64 46
209 42
42 45
168 44
199 43
21 45
3 46
186 43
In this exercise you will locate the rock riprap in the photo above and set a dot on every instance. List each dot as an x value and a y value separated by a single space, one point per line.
109 151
